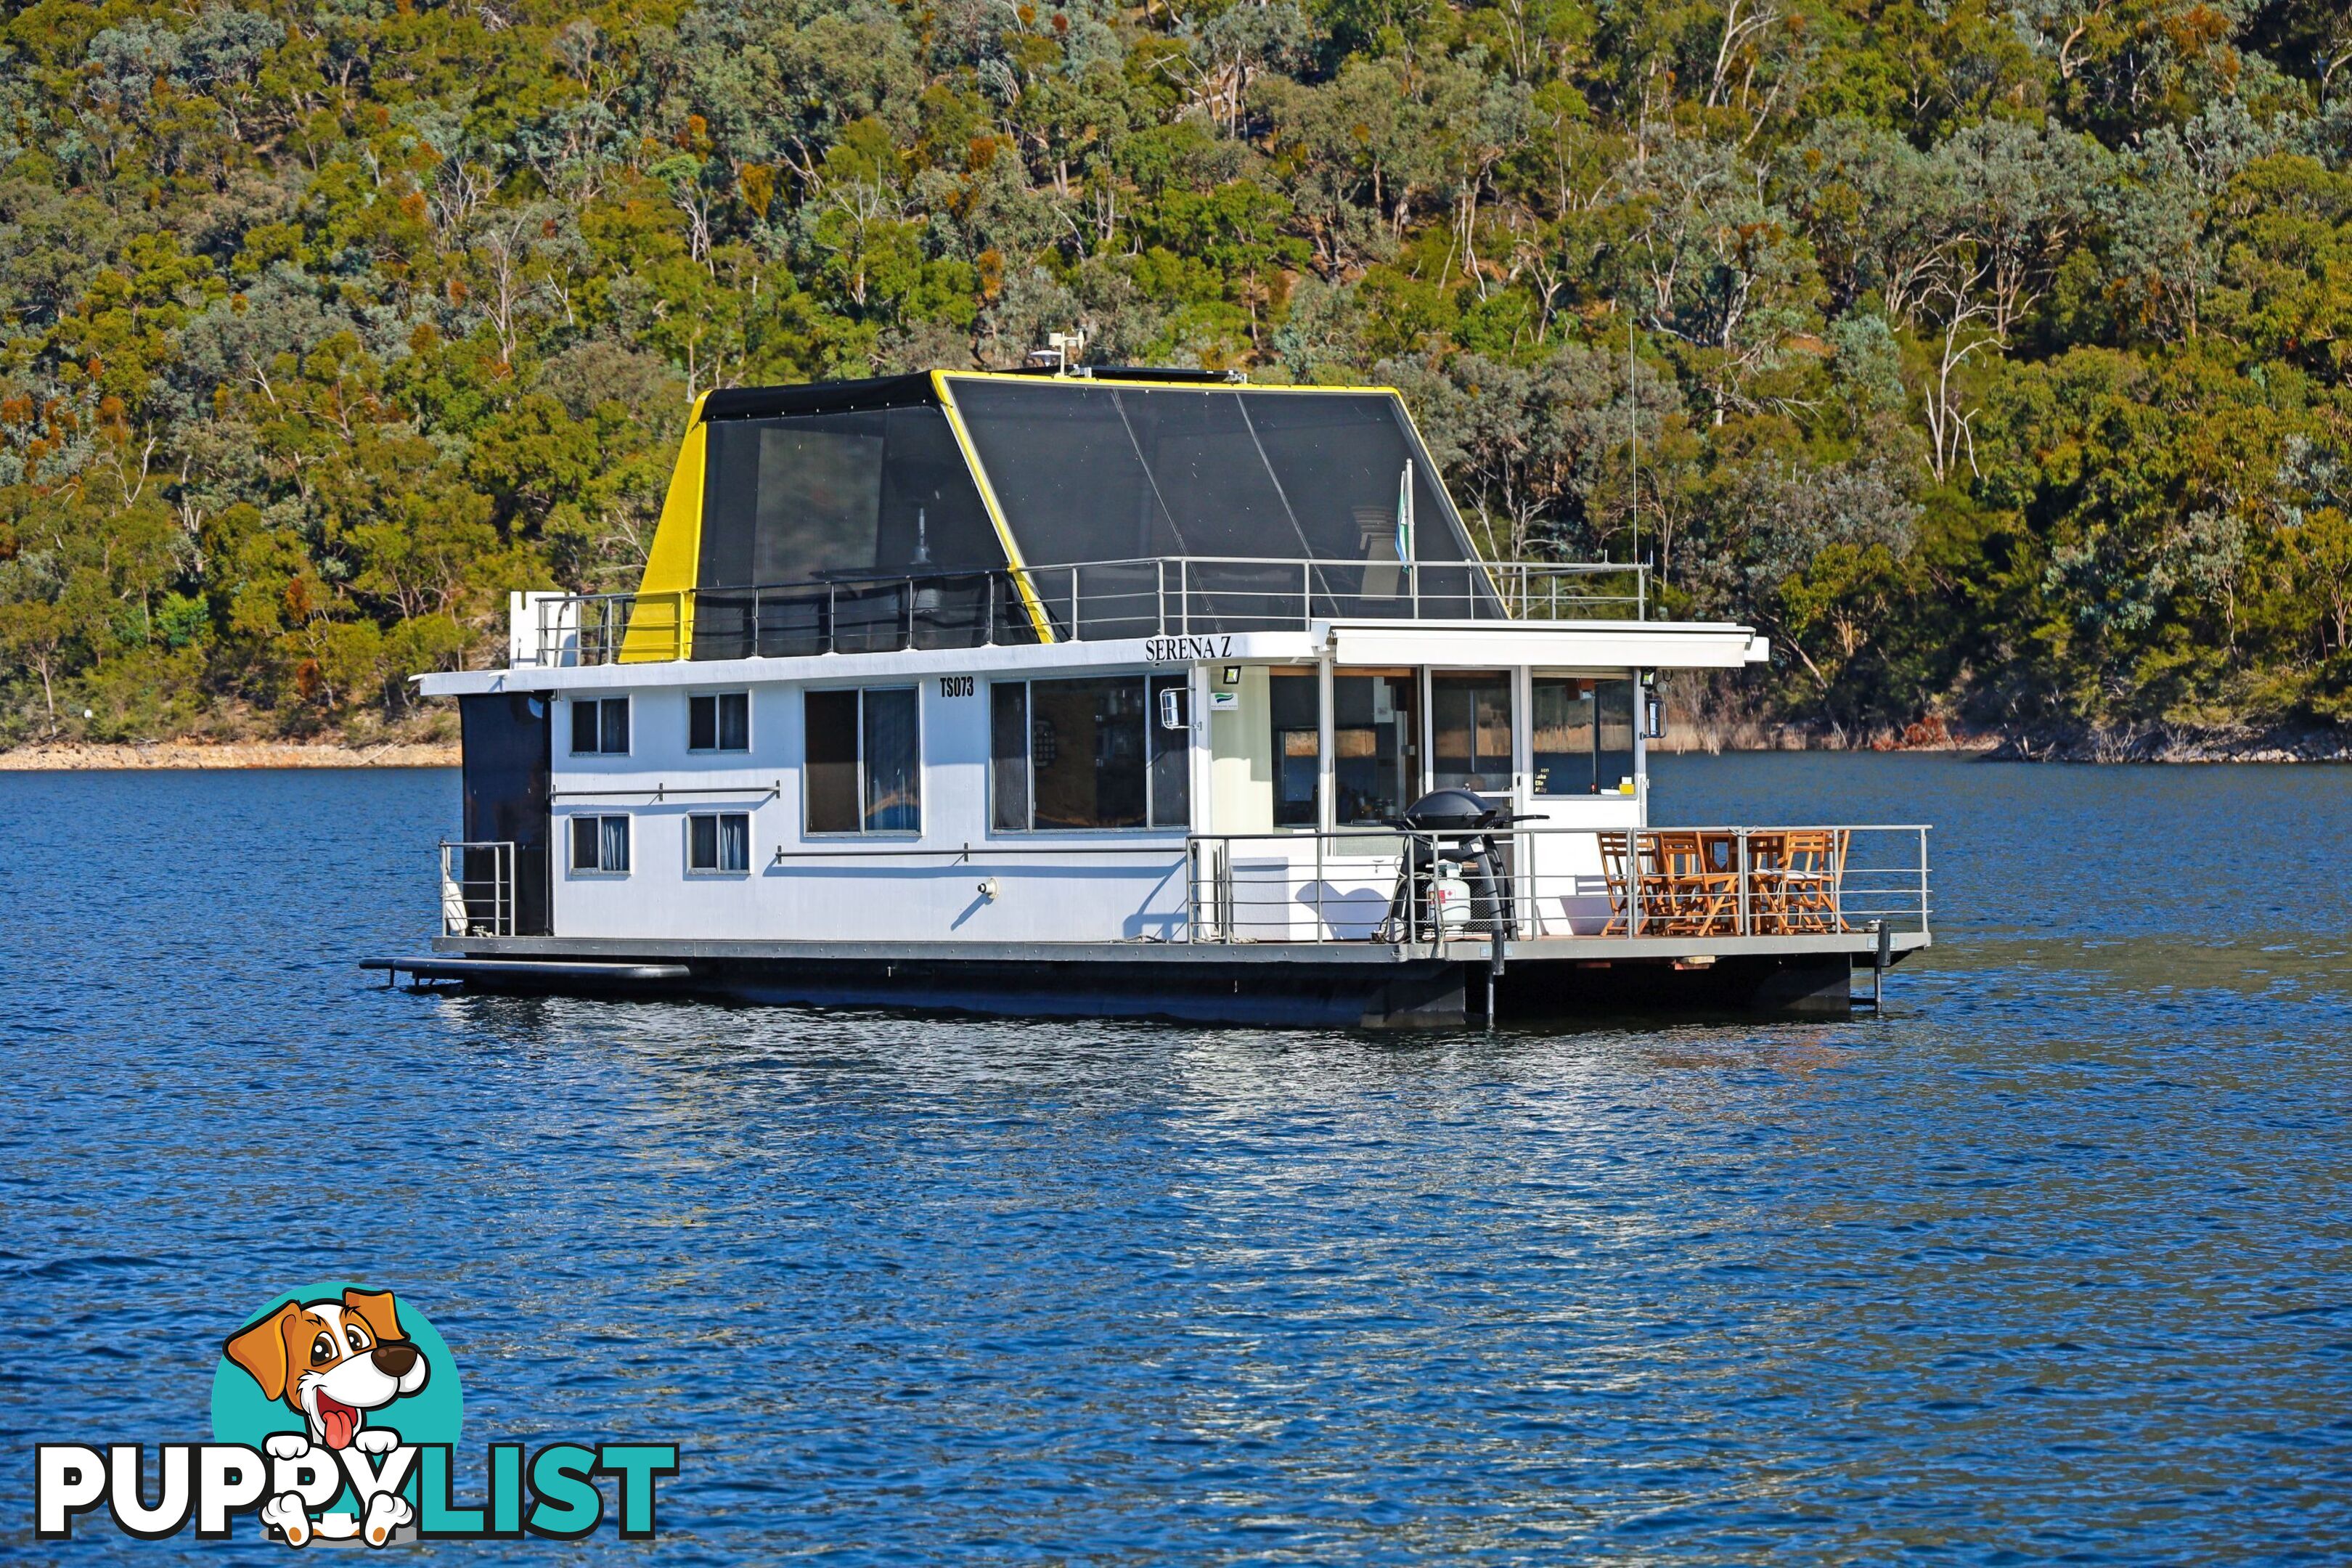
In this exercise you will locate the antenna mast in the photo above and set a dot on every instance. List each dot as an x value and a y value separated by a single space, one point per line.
1633 430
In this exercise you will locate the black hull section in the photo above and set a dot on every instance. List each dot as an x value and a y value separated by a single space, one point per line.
1413 993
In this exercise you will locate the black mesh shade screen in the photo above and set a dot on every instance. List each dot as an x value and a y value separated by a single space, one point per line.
829 496
832 497
1087 472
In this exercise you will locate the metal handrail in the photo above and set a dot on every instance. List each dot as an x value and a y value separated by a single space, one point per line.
1338 884
477 890
1090 600
1745 896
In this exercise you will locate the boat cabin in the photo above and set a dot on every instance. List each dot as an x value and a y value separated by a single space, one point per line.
1109 691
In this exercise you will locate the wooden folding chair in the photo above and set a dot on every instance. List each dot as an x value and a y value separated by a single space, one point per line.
1635 863
1767 858
1702 871
1677 853
1813 879
1615 870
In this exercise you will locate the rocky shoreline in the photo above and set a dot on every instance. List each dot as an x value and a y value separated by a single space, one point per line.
2167 743
86 756
2179 743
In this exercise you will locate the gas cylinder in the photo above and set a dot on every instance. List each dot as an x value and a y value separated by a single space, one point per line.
1449 896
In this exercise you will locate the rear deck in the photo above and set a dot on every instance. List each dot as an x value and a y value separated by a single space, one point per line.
1693 919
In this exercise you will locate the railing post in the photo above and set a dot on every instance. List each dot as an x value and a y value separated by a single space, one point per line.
1321 926
1524 920
1742 926
1632 883
1923 881
1225 890
1192 889
1412 890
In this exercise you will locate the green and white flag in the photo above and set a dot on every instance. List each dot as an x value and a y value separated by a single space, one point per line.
1404 515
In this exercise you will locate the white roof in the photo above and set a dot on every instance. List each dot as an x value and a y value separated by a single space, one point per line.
1574 645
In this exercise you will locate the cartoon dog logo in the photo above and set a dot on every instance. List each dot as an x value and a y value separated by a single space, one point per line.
331 1361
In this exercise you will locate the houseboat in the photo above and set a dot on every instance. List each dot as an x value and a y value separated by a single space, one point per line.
1116 692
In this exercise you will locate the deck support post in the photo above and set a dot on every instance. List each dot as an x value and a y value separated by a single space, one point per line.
1881 957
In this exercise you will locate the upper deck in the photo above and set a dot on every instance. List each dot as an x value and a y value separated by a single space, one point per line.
1155 515
969 509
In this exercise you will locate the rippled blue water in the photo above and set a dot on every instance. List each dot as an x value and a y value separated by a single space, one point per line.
2049 1263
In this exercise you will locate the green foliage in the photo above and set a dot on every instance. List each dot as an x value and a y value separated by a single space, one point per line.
1993 357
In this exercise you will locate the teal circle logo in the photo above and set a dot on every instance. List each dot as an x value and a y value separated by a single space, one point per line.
334 1359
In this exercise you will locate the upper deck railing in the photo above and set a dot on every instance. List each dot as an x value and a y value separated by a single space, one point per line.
1086 601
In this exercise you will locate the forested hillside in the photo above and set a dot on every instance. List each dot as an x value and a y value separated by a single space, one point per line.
1992 354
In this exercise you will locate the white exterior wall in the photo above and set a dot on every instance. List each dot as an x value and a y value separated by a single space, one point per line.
848 887
1050 887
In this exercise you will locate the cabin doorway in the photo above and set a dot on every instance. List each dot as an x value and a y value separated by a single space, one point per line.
507 738
1376 746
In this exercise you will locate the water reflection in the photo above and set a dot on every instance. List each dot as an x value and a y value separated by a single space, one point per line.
2048 1261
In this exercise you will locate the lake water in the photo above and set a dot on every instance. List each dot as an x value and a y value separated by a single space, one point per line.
2049 1263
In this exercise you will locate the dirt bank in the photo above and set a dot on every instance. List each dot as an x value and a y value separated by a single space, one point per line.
225 754
2132 743
2180 744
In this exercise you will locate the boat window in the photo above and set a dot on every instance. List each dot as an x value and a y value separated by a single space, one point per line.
893 761
1470 725
1295 712
600 726
1583 735
1615 699
601 843
718 841
1008 755
1089 753
1170 718
863 766
719 722
1375 744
